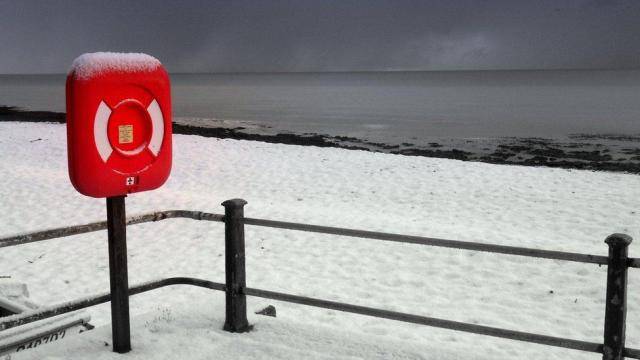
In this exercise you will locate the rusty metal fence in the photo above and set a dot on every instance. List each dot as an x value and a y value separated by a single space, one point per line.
617 262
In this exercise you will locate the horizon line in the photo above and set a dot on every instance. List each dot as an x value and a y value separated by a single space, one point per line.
362 71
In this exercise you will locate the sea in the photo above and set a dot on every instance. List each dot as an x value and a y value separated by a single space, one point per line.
389 107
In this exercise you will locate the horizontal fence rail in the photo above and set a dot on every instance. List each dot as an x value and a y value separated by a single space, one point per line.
236 289
417 240
430 321
51 311
47 312
102 225
439 323
420 240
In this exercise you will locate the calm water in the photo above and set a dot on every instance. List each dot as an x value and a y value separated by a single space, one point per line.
392 106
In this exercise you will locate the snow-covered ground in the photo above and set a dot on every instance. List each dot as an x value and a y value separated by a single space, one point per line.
545 208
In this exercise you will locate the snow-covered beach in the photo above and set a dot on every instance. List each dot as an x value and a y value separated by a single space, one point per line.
556 209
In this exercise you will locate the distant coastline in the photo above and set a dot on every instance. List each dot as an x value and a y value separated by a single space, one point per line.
604 152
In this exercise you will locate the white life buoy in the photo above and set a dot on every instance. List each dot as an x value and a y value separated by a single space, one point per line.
101 137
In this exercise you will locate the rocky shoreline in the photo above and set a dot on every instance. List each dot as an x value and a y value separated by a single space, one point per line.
605 152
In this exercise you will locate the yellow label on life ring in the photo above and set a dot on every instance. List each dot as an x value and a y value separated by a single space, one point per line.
125 134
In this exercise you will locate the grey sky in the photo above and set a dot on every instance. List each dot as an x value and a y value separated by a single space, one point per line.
341 35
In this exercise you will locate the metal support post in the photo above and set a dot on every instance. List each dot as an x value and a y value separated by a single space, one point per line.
616 300
117 232
236 301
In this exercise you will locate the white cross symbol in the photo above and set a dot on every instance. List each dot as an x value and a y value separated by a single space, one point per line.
131 180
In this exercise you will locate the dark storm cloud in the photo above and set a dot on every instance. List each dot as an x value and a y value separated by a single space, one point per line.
304 35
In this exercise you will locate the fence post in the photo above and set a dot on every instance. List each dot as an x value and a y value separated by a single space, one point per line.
236 301
118 277
616 300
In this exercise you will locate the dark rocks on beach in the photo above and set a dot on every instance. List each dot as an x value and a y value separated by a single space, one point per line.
499 155
633 138
347 138
583 152
280 138
537 160
589 155
634 151
516 148
12 113
548 152
389 147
